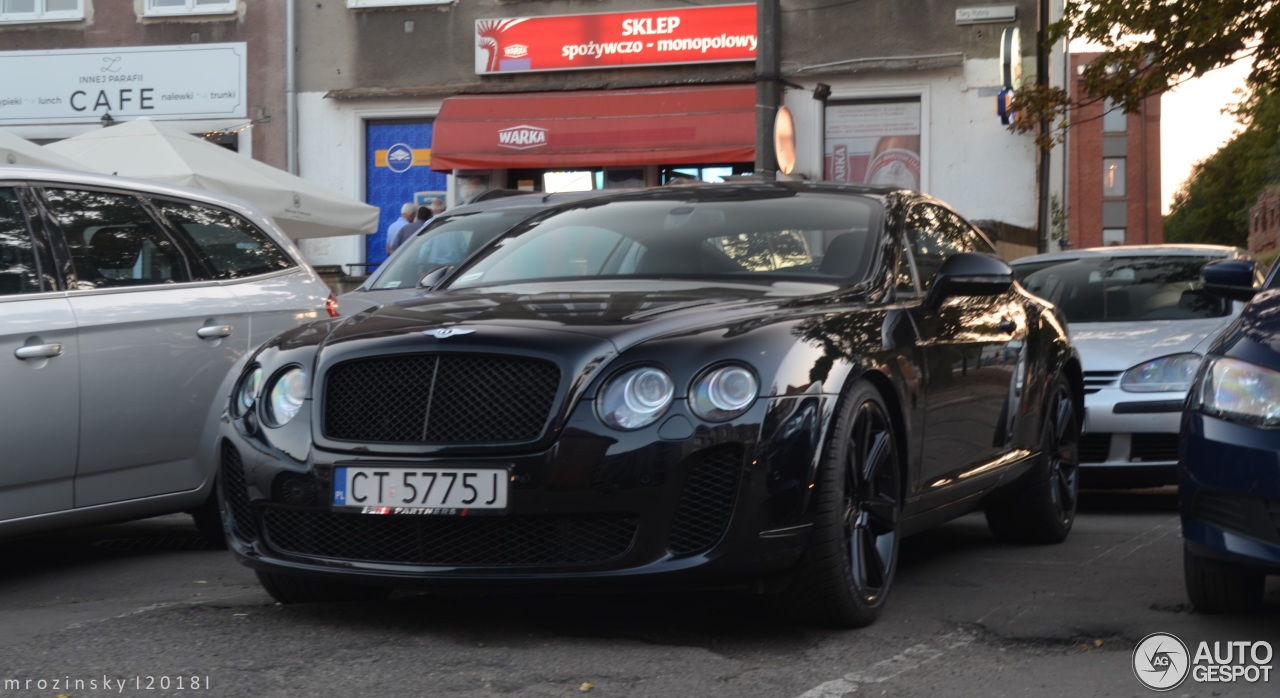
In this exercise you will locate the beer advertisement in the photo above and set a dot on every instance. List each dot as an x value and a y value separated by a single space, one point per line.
873 143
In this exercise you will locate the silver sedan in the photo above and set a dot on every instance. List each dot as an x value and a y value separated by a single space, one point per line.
1141 319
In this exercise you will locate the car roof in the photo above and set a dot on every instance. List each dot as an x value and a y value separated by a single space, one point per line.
44 175
1167 250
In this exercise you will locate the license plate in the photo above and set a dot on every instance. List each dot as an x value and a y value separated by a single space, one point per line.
419 490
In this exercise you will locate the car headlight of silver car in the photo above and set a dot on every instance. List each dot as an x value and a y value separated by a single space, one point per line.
724 392
1163 375
285 396
635 398
247 392
1239 391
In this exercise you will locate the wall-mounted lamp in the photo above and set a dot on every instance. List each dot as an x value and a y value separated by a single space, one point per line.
821 91
107 120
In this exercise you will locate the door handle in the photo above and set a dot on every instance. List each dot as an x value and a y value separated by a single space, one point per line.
38 351
214 332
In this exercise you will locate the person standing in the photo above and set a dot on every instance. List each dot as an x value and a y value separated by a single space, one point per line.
407 232
407 212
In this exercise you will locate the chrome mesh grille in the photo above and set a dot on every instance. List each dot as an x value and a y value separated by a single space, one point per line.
439 398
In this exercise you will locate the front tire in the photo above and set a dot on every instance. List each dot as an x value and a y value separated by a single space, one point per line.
290 589
1041 508
1221 588
845 575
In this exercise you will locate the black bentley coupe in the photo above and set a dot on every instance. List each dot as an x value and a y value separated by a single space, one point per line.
764 385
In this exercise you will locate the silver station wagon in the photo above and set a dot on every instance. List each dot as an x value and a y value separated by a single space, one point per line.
123 306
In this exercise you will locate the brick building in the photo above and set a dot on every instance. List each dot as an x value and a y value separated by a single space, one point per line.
1264 221
1113 181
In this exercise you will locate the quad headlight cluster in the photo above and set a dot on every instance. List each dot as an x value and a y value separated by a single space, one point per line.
284 394
639 396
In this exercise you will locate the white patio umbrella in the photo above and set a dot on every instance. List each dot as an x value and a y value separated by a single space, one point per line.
16 150
148 150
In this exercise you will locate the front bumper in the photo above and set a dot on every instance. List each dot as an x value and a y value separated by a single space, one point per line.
670 504
1229 492
1130 439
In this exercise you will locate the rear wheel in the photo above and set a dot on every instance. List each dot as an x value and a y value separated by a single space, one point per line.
845 575
1221 588
1042 506
290 589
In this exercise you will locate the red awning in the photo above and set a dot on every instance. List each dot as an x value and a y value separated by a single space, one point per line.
654 126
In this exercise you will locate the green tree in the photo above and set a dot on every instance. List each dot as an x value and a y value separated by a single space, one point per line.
1213 205
1150 47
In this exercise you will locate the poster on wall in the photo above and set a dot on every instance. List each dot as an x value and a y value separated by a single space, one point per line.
397 171
873 143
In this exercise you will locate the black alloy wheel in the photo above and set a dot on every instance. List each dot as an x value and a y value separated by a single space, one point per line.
871 502
1042 507
845 575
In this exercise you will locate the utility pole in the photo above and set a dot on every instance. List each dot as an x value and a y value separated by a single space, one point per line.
768 85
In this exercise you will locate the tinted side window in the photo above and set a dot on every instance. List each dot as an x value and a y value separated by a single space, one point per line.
18 271
113 242
232 246
934 233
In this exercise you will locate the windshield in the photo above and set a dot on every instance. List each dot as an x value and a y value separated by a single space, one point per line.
446 241
1100 289
813 237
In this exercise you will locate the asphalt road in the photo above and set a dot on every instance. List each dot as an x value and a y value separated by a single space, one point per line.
142 609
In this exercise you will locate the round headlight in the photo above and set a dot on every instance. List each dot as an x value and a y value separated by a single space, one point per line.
247 392
636 398
1162 375
723 393
286 396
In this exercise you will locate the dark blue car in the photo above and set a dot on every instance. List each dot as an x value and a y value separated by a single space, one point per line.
1229 466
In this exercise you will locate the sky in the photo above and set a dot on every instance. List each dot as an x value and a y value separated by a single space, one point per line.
1192 125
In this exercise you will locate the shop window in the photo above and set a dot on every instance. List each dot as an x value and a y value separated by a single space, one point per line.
702 173
570 180
357 4
189 7
41 10
1113 177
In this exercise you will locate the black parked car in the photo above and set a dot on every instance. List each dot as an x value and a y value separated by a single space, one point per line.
754 384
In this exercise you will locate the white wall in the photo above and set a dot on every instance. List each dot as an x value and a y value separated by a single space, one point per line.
971 160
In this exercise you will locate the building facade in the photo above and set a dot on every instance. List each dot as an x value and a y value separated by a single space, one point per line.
1113 195
1264 221
391 101
216 68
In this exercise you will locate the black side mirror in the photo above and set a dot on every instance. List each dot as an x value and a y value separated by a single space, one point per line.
432 278
968 274
1229 278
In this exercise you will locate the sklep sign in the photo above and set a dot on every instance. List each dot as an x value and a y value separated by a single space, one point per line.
715 34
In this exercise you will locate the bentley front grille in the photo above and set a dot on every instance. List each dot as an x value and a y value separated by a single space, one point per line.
439 398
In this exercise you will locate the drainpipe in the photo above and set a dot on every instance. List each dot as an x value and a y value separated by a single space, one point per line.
768 86
1042 79
291 86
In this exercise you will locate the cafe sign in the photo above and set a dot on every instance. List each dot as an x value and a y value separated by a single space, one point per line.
202 81
712 34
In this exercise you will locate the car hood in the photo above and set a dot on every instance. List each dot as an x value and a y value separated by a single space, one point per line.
1118 346
623 316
